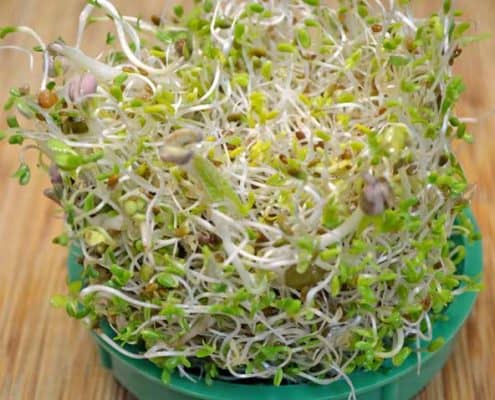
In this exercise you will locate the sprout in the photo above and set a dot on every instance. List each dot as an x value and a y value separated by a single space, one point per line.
264 190
82 61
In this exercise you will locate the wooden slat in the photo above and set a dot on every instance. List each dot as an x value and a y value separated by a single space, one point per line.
47 356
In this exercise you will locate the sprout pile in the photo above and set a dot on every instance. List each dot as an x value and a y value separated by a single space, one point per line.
259 190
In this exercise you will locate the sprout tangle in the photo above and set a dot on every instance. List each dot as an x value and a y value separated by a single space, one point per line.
259 190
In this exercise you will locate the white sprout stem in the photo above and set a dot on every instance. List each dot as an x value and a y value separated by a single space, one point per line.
46 59
119 26
398 344
22 50
100 70
339 233
147 355
108 291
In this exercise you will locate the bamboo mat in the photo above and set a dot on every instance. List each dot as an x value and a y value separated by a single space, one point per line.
44 355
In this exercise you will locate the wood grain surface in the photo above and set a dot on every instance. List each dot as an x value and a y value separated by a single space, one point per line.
45 355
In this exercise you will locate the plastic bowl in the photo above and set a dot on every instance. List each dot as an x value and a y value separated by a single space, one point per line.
142 378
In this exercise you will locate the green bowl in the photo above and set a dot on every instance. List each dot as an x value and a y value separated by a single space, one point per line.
142 378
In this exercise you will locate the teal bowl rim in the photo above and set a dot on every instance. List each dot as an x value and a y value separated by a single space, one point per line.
456 313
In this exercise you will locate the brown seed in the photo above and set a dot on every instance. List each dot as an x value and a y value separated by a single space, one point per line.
309 56
180 46
376 28
156 20
346 155
257 52
300 135
208 238
304 292
412 169
24 90
129 69
78 126
234 117
112 181
149 290
47 99
426 303
411 45
270 311
457 53
443 160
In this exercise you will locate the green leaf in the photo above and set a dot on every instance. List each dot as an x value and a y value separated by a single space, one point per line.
169 37
215 185
409 86
278 377
453 92
242 79
266 70
23 173
239 30
4 31
12 122
64 156
119 80
166 376
16 139
150 335
304 38
436 344
59 301
61 240
205 351
286 48
386 276
399 61
312 2
75 287
110 38
330 253
116 92
460 29
76 310
9 103
179 11
447 4
290 306
400 357
120 275
256 8
167 280
2 135
94 236
208 6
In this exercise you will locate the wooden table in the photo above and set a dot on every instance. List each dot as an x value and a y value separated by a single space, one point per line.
44 355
